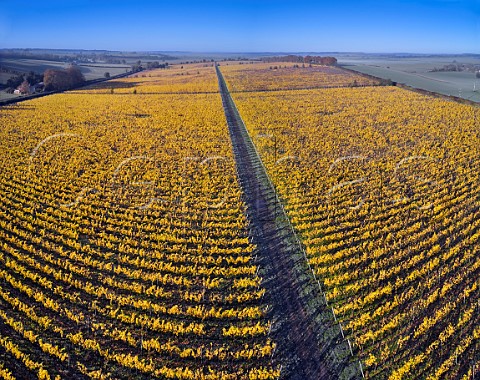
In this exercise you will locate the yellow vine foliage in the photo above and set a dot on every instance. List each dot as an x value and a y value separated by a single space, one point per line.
381 184
123 234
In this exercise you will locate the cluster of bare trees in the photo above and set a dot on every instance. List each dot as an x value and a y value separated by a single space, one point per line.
62 79
328 61
23 80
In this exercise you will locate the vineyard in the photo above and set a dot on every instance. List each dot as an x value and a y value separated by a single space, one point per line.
124 243
284 76
382 184
132 244
191 78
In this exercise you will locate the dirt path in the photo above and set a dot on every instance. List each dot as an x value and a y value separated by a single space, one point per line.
296 309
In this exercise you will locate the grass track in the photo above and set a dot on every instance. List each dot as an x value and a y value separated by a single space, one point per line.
309 342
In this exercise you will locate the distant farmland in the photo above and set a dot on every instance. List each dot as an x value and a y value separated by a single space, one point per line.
417 72
90 71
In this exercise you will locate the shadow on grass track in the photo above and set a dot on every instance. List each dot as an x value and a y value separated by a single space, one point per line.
310 345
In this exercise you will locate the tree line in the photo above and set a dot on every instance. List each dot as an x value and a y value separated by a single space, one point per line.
328 61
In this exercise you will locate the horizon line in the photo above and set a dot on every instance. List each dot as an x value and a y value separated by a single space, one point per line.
241 52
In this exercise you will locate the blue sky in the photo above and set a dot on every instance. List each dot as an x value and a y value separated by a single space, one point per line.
423 26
